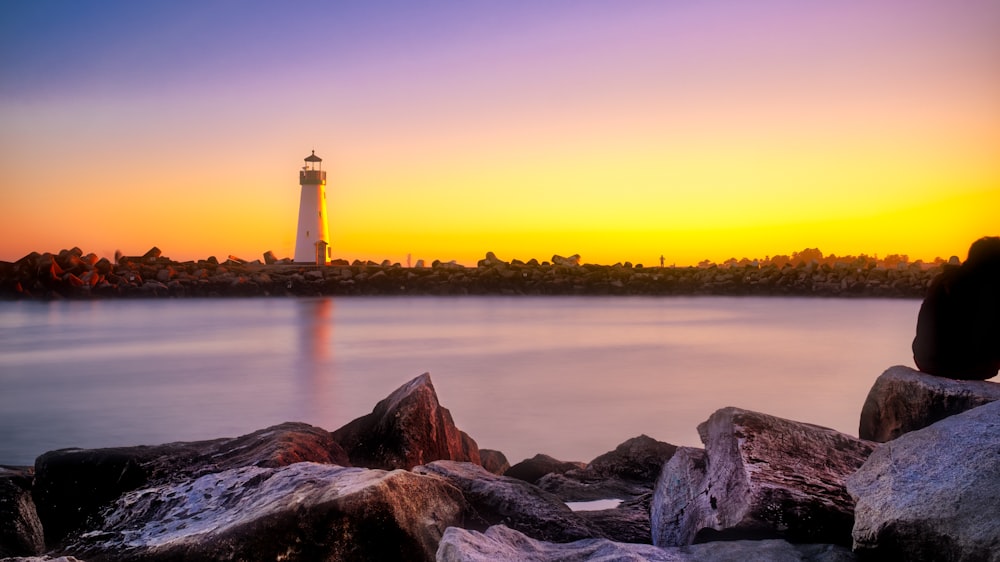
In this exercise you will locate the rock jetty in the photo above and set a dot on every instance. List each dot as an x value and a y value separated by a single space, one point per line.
762 488
73 274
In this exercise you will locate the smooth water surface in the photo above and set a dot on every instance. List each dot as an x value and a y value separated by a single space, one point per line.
569 377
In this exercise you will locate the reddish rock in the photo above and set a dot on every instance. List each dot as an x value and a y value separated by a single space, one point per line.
406 429
904 400
494 461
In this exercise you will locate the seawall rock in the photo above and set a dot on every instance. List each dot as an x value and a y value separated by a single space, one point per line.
301 512
67 275
933 493
406 429
765 477
72 485
903 400
20 529
531 470
501 544
512 502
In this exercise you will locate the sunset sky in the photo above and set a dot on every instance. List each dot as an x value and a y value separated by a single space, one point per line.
619 130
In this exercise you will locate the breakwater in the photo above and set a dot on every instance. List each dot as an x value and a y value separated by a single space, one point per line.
73 274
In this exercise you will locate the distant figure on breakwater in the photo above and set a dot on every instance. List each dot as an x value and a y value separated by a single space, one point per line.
958 328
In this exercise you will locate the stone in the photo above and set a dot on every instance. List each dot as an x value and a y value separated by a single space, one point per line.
933 493
531 470
494 461
502 544
904 400
503 500
571 261
72 485
406 429
639 458
628 522
270 258
20 528
153 253
301 512
765 477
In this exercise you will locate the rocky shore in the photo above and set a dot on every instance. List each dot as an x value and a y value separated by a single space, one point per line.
404 483
70 273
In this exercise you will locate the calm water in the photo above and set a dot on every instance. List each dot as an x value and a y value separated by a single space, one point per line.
570 377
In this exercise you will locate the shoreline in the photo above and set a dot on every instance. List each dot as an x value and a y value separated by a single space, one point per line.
70 274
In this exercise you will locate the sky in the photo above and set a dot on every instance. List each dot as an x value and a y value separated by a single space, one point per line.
618 130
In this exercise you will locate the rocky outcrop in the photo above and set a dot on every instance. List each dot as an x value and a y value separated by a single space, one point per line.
71 485
20 528
494 461
904 400
301 512
531 470
764 477
406 429
67 274
512 502
501 544
933 493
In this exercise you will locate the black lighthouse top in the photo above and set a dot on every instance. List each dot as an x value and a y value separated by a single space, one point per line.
312 173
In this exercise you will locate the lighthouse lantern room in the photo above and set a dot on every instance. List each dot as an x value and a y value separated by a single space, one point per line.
312 243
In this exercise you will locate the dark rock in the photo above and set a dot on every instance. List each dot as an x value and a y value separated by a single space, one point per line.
629 522
20 528
406 429
512 502
269 258
301 512
932 494
152 253
903 400
639 458
494 461
71 485
766 477
531 470
502 544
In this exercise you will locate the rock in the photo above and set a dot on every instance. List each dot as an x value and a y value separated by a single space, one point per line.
531 470
494 461
512 502
766 477
629 522
502 544
302 512
639 458
72 485
270 258
932 494
571 261
903 400
406 429
152 253
20 528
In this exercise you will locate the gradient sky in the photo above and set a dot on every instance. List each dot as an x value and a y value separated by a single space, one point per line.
619 130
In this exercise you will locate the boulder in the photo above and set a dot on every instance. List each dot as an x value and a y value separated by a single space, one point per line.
71 485
531 470
512 502
628 522
571 261
270 258
502 544
903 400
302 512
406 429
765 477
639 459
494 461
20 528
152 253
932 494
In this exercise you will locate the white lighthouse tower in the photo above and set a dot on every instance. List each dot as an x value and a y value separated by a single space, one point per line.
312 243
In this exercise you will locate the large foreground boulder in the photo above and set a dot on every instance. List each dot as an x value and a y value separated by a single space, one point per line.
71 485
760 477
301 512
903 400
501 544
20 528
512 502
406 429
934 493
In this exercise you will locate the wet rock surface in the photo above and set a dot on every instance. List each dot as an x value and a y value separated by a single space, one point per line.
20 529
904 400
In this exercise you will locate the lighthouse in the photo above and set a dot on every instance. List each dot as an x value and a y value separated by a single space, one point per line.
312 243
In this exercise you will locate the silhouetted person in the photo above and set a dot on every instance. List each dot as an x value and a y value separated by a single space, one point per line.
958 328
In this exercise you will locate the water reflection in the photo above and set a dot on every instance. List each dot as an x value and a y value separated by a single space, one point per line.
315 356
